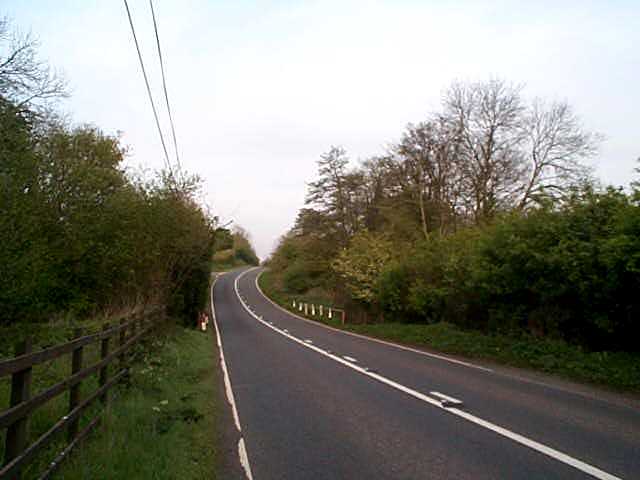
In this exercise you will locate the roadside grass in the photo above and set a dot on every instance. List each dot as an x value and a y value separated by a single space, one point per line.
164 425
161 426
615 370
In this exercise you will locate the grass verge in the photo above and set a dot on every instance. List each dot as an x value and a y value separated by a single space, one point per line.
162 426
615 370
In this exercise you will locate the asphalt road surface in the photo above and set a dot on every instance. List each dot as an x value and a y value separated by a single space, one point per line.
315 403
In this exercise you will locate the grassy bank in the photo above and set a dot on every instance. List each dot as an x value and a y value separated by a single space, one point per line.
163 426
615 370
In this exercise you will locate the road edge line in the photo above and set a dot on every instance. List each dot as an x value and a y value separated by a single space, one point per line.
242 449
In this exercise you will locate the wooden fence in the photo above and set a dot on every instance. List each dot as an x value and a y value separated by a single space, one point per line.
18 452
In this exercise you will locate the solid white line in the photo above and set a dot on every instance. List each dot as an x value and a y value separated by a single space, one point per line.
242 451
350 359
551 452
446 397
371 339
244 458
527 442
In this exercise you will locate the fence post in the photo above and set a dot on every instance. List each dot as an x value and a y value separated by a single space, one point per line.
320 307
122 340
74 392
313 309
306 309
134 332
343 316
18 432
104 371
330 313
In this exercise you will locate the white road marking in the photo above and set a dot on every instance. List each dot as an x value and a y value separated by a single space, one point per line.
242 451
308 341
371 339
539 447
450 401
244 458
350 359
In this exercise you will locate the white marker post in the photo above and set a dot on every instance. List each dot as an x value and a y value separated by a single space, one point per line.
313 310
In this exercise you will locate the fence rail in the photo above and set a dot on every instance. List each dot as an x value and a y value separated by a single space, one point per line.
18 452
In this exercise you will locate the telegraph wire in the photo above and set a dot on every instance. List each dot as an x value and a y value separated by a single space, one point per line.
164 87
146 82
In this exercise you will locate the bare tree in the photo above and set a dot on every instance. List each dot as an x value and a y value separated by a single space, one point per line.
487 117
512 154
25 80
554 144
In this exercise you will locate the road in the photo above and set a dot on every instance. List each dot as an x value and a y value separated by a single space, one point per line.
315 403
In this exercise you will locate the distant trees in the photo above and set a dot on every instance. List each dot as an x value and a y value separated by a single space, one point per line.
233 249
483 215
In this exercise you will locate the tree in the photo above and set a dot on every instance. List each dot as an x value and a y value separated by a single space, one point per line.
512 154
25 80
361 263
429 161
331 192
487 117
555 142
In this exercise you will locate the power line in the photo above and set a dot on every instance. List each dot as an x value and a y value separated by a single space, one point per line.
146 82
164 86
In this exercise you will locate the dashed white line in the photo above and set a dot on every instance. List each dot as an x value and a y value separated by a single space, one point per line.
350 359
446 400
527 442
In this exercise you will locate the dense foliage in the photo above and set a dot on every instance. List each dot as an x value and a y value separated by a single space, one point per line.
483 216
233 249
77 233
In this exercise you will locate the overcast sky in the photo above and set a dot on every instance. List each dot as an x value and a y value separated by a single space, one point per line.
260 89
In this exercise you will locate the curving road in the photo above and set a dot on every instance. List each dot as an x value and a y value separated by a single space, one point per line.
316 403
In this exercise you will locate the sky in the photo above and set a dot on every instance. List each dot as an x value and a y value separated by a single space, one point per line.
259 90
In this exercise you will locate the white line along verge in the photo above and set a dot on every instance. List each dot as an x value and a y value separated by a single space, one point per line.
242 450
527 442
371 339
244 458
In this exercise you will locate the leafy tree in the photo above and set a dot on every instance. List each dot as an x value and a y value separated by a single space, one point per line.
361 263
